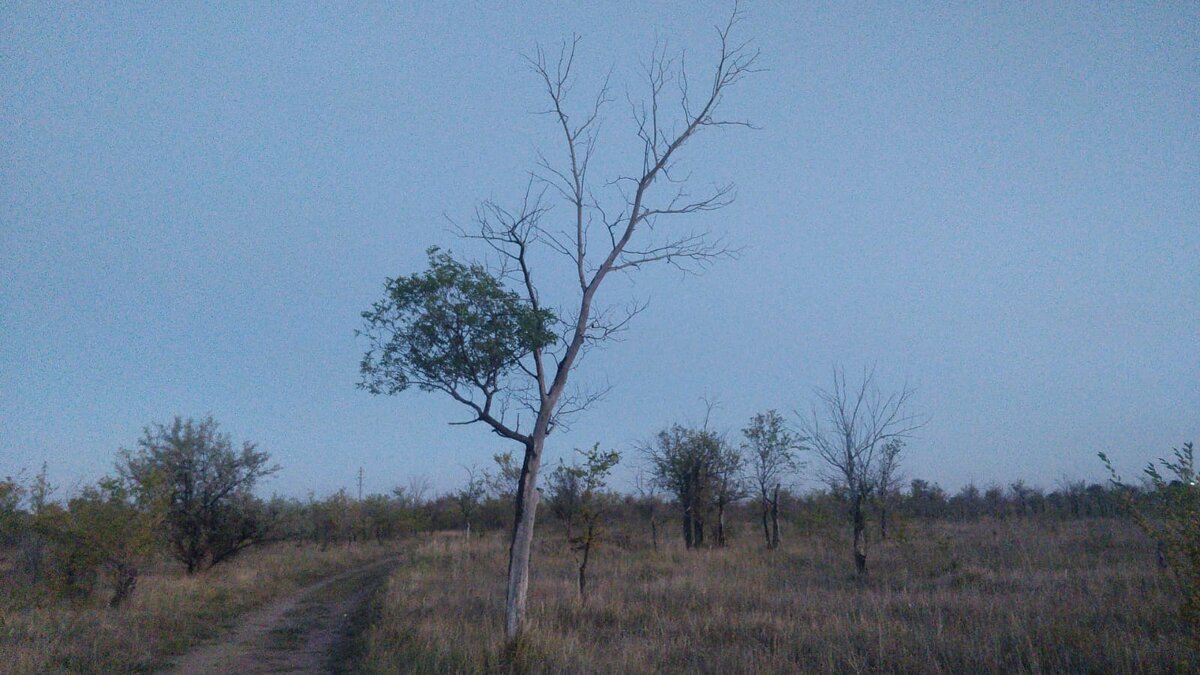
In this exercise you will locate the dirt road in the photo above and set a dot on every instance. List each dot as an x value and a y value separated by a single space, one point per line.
305 632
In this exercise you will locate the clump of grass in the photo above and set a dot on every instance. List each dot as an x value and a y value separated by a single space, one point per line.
1015 595
169 613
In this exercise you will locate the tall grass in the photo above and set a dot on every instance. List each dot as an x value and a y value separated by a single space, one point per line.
989 596
169 613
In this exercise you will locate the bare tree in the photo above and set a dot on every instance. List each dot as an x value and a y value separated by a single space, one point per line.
770 450
500 353
848 429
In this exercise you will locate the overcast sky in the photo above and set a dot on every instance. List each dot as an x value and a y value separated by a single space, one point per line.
996 204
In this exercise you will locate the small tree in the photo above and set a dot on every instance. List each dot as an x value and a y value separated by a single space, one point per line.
1173 521
647 503
702 472
469 496
728 484
211 512
888 480
770 449
577 498
848 429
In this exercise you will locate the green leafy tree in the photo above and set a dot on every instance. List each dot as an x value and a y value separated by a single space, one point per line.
207 485
701 470
578 499
770 450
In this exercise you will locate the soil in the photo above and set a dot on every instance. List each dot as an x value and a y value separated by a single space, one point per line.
309 631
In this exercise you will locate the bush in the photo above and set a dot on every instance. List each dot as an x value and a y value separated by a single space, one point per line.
1172 518
207 486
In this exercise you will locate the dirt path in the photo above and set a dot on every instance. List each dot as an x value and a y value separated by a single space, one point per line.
305 632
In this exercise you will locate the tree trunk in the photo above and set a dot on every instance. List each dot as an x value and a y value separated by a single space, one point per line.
766 523
587 547
125 581
522 541
860 538
688 539
654 532
883 520
775 520
720 524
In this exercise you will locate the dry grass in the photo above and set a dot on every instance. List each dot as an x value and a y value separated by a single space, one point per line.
1007 596
168 614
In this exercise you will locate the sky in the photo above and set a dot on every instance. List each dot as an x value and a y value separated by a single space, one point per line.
995 204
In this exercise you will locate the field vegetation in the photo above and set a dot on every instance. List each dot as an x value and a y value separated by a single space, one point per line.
987 594
709 567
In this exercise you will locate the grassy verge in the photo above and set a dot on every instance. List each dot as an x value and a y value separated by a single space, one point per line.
168 614
992 596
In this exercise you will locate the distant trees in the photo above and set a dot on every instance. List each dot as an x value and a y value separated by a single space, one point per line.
703 472
207 486
848 429
770 452
578 498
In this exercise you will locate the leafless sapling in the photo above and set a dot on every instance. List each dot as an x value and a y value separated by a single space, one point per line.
847 429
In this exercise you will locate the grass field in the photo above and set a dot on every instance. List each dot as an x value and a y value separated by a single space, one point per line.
168 613
990 596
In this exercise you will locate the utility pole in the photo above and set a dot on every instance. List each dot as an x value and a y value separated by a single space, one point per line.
360 476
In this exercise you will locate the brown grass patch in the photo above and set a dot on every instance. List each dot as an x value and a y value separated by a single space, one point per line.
992 596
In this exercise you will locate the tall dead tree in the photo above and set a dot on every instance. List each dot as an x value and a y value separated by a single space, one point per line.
487 338
848 428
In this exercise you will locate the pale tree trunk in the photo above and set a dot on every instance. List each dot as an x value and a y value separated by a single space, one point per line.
522 541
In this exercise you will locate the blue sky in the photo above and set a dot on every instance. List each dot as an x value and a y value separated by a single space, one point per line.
997 204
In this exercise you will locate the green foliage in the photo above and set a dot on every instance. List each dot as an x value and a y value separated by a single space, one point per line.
578 499
11 517
207 486
702 471
1173 520
453 325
